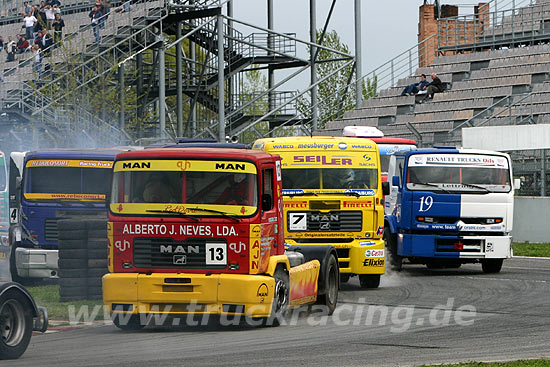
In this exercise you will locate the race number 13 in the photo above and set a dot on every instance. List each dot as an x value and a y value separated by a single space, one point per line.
216 254
426 203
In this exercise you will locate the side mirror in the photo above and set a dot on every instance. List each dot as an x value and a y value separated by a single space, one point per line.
395 181
385 188
267 202
517 183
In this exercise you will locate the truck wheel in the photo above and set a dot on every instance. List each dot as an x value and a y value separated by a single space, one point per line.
432 265
369 281
15 324
344 278
491 265
281 298
125 322
396 261
330 298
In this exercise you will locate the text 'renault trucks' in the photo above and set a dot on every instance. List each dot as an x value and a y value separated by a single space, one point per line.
46 186
449 207
200 231
333 196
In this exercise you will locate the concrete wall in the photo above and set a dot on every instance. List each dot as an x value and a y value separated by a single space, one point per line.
531 219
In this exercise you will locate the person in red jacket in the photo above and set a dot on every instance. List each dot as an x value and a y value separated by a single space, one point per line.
22 46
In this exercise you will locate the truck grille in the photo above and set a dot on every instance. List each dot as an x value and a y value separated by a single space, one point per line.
50 229
191 253
334 221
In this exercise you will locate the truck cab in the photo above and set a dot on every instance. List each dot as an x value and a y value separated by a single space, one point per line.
204 227
46 186
449 207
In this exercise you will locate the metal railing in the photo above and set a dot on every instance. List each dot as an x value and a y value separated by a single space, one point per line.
494 29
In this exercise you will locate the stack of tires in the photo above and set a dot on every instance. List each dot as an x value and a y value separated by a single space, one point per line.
82 263
97 257
73 259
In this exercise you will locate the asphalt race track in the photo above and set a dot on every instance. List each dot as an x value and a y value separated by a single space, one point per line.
402 323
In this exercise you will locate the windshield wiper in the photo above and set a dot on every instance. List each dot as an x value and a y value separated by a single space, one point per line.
300 194
183 215
476 187
223 214
432 185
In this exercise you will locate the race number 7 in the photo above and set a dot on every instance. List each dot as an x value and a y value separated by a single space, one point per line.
426 203
297 221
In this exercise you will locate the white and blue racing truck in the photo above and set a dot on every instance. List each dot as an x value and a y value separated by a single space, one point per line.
448 207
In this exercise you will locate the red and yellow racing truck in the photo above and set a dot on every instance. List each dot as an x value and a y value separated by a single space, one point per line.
200 231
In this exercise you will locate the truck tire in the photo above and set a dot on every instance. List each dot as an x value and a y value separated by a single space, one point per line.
70 225
344 278
72 282
128 323
73 254
281 298
73 244
369 281
491 265
73 273
97 234
72 263
97 263
98 254
94 282
97 272
76 234
98 244
396 261
15 324
72 292
97 225
330 297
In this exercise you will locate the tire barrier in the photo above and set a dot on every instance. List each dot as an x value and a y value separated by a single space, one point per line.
83 250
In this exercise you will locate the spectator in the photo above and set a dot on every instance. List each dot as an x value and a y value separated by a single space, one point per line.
22 46
27 7
50 16
37 60
107 5
1 43
94 15
56 9
58 25
45 42
10 49
30 22
416 87
55 3
434 87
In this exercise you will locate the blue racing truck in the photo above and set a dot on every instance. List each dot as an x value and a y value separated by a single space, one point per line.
44 187
448 207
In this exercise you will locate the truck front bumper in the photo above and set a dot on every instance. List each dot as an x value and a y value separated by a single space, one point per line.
183 294
454 247
36 263
363 256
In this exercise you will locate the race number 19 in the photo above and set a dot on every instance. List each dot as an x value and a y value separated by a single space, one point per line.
426 203
216 254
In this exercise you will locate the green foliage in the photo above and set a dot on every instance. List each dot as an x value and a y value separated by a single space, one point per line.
335 95
532 249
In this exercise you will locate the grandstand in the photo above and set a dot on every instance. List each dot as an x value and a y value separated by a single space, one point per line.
496 69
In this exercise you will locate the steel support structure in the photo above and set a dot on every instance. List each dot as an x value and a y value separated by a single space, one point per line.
358 56
313 70
221 81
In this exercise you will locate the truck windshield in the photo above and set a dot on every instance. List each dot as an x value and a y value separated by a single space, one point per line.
458 172
330 178
67 183
196 190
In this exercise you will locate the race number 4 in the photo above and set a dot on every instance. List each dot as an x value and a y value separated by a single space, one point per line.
297 221
13 215
216 254
426 203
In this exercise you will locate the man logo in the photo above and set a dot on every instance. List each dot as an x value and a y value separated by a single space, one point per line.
136 165
263 292
180 259
231 166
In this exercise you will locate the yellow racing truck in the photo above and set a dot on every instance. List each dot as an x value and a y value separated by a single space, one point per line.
333 195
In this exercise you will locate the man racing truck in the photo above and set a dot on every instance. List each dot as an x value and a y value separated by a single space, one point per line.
333 196
200 231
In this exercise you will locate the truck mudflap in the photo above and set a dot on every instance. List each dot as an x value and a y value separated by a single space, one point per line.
453 247
181 294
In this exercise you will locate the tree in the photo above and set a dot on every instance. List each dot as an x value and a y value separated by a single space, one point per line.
337 93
